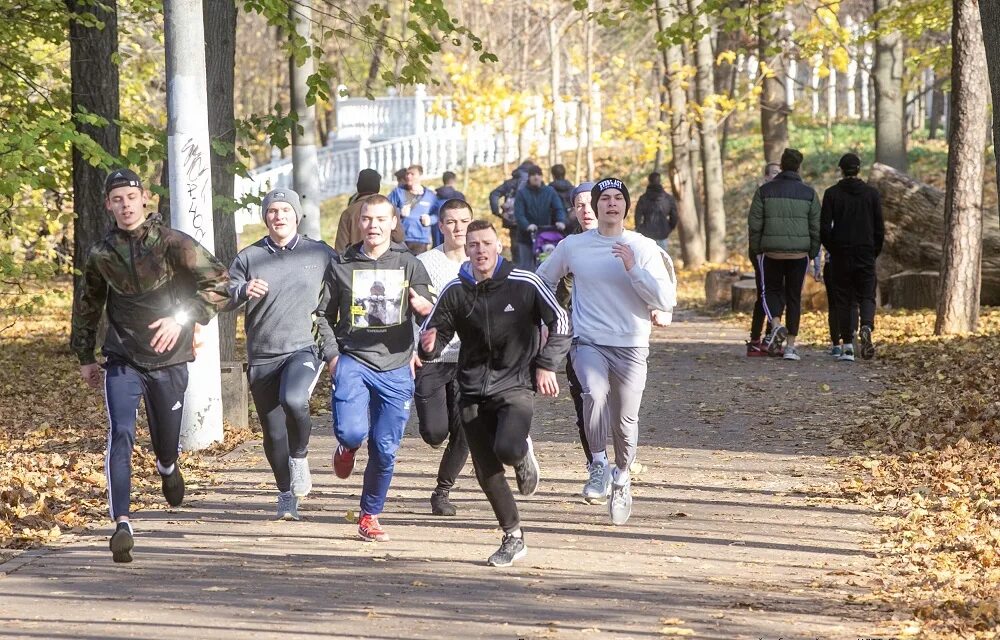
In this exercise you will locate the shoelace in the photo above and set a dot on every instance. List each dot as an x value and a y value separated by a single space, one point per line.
596 473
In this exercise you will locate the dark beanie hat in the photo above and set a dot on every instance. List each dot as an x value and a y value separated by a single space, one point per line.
791 160
121 178
282 195
850 163
610 183
369 181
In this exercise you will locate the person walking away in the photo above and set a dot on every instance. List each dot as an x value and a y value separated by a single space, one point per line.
853 230
349 228
437 391
756 348
155 284
377 290
618 276
444 193
536 205
502 203
564 188
280 281
784 235
496 311
414 204
656 212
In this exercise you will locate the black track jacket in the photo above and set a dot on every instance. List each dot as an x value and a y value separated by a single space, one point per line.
498 322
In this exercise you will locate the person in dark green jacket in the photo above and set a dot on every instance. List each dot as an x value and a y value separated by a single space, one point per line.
536 205
784 236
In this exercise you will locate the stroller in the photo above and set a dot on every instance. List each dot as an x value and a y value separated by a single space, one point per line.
544 241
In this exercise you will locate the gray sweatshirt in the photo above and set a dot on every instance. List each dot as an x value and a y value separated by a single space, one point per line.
287 317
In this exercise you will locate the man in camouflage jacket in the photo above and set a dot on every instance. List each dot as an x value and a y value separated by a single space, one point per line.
156 283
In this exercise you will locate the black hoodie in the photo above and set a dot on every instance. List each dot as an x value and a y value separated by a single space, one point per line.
851 217
497 321
370 305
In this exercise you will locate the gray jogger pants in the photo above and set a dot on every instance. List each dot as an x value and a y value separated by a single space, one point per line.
612 380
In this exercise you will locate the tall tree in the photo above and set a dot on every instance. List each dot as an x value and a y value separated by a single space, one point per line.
305 166
692 244
711 155
94 74
774 109
961 276
990 17
887 72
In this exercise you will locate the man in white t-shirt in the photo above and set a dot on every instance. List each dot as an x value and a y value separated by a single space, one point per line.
619 276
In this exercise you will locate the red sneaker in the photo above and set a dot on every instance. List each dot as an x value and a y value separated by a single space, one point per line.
756 349
343 461
370 529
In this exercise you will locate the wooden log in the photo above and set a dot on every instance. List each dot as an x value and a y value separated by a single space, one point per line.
914 231
914 290
718 283
744 295
813 295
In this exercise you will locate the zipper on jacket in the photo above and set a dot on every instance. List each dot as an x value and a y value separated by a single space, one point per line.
489 343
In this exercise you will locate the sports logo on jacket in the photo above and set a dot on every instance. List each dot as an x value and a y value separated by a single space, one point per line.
378 297
508 308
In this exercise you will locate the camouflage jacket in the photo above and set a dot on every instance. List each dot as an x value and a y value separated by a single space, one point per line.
141 276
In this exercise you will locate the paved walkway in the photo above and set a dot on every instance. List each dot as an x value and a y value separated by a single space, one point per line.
729 537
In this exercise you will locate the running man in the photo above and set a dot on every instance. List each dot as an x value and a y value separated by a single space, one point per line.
155 283
437 390
618 277
281 280
376 289
496 310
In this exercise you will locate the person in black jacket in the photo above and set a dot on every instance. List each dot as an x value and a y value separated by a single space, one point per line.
656 212
564 188
496 311
502 201
852 230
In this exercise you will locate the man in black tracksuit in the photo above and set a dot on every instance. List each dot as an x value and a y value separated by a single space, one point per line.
496 311
852 230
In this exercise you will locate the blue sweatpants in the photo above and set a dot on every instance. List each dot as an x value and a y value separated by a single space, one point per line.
375 405
124 386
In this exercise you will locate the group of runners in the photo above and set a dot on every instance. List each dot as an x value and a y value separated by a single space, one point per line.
458 329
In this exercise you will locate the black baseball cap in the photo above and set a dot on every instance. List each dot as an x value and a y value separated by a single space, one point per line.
849 162
121 178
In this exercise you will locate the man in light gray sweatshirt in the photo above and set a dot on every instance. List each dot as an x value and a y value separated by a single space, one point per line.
619 276
282 280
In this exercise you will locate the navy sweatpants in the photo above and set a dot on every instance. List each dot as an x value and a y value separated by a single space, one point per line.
124 386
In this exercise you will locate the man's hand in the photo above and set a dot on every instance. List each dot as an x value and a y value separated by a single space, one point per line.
428 339
561 226
546 383
256 288
91 374
425 220
624 253
167 331
420 304
661 318
415 363
532 228
196 342
332 365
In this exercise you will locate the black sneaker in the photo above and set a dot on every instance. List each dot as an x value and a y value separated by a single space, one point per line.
865 347
441 505
775 342
122 543
526 472
511 549
173 486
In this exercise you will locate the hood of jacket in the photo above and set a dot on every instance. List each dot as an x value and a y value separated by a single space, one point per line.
853 185
448 192
500 273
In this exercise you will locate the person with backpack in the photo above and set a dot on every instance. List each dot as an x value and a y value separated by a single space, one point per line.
502 203
444 193
656 212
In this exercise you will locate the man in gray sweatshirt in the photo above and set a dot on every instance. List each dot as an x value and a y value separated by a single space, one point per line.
282 281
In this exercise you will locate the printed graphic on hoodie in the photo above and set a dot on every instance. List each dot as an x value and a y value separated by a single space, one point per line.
378 297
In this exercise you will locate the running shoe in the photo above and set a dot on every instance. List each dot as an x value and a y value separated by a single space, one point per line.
122 542
343 461
302 481
620 504
756 349
598 487
848 354
511 549
866 349
777 339
288 506
370 529
526 472
791 354
173 486
836 351
441 505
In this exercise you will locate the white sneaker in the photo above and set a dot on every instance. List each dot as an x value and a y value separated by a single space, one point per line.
598 487
620 504
848 354
791 353
301 478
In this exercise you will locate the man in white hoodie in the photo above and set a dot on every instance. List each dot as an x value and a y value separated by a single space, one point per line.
619 277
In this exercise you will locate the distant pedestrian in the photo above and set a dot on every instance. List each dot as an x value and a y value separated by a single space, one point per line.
502 203
537 205
656 212
444 193
563 187
414 204
756 348
349 228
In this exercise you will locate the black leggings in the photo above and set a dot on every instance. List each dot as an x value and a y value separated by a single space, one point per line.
439 417
782 288
281 392
833 314
757 319
497 431
576 392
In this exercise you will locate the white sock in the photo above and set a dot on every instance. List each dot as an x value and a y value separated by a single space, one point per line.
601 457
517 534
126 523
164 471
619 476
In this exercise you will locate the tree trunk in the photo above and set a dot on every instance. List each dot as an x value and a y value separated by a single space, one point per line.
588 51
958 304
305 169
990 16
718 286
890 117
743 294
377 49
773 106
914 290
555 80
711 156
94 82
692 246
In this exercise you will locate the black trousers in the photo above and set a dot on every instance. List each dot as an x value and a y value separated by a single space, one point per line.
781 284
281 392
439 417
832 313
757 319
497 431
853 280
576 392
